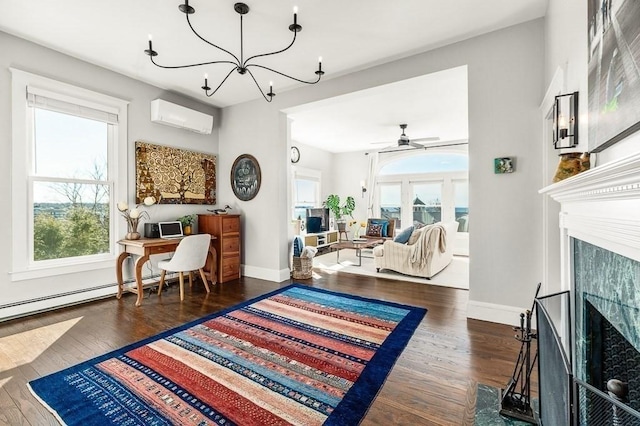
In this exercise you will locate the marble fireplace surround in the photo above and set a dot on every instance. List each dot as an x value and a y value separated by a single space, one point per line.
602 208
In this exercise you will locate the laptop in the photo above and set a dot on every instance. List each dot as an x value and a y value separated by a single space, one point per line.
170 230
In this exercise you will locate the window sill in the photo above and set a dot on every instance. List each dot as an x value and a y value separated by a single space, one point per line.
51 270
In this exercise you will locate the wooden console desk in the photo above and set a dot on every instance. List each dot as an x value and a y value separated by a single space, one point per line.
145 247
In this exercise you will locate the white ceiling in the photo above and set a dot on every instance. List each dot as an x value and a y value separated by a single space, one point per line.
349 35
433 105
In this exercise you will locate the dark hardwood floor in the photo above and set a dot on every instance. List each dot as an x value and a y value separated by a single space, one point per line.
433 382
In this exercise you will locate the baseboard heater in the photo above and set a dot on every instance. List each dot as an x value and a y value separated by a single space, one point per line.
114 285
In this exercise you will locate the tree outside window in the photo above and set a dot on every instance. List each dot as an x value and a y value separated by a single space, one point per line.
70 187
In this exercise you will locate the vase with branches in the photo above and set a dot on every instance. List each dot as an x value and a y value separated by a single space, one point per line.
134 216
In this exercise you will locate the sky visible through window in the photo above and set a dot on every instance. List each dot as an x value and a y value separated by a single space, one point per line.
429 194
68 147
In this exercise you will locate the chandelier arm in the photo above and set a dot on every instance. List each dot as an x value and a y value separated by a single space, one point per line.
272 53
285 75
208 42
221 83
269 99
192 65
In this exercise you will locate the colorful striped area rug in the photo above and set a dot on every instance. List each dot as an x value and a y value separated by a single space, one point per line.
298 355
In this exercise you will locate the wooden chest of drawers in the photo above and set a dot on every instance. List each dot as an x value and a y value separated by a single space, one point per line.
226 228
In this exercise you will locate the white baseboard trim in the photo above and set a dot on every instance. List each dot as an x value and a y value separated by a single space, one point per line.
274 275
491 312
47 304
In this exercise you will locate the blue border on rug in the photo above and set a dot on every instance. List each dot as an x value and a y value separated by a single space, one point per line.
356 402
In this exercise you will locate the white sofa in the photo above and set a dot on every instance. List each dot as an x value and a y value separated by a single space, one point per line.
428 251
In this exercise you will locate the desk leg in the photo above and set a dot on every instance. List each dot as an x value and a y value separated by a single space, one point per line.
119 263
139 264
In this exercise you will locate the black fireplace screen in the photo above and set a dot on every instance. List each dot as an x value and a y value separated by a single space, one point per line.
554 368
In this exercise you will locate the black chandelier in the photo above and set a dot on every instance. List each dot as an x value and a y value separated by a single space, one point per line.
241 65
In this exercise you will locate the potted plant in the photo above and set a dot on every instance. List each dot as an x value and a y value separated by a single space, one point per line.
187 222
338 210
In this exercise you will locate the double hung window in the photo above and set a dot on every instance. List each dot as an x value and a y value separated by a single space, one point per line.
69 159
306 191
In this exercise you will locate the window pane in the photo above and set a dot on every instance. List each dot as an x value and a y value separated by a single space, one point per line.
304 196
300 211
69 147
306 191
70 220
391 202
461 191
427 208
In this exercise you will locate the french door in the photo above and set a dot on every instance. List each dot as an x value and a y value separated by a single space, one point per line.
427 199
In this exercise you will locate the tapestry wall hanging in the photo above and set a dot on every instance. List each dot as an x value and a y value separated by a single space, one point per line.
614 71
174 176
245 177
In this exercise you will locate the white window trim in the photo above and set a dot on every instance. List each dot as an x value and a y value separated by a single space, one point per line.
21 266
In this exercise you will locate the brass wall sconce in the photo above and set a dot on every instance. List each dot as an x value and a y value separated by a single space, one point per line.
565 121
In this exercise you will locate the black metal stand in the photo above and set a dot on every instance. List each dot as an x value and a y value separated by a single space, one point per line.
515 400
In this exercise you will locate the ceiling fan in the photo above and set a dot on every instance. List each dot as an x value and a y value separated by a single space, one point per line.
405 143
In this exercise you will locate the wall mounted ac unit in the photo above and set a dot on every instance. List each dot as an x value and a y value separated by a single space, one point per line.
164 112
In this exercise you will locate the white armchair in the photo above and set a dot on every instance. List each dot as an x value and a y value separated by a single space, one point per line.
428 251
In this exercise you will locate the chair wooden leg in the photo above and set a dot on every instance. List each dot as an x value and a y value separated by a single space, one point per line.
162 274
181 285
190 279
204 279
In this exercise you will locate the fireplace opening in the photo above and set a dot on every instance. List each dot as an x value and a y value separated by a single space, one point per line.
611 356
612 362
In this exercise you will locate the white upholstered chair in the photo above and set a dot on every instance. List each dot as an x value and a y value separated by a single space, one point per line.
190 255
422 255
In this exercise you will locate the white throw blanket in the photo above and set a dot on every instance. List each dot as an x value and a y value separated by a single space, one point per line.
432 237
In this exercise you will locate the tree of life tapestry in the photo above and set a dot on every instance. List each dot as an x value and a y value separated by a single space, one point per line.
174 176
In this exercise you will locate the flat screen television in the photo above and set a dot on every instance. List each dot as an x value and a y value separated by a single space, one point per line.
317 220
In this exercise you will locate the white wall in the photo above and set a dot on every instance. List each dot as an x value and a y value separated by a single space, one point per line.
505 89
566 47
317 159
36 59
349 169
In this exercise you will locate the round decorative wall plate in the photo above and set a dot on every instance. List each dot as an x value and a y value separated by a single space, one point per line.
245 177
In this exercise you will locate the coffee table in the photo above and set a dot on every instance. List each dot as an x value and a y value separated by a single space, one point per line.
356 245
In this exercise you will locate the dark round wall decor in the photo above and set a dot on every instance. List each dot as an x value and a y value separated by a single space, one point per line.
245 177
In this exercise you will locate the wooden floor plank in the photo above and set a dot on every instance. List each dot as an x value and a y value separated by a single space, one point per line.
432 382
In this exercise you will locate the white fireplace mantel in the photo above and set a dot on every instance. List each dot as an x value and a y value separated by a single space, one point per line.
601 206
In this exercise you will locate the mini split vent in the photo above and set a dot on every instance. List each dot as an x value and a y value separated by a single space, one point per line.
173 115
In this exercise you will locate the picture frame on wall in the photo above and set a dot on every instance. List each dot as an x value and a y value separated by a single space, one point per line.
614 76
503 165
174 175
246 177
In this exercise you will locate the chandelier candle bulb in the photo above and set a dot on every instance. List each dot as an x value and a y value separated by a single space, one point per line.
271 94
206 87
150 51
